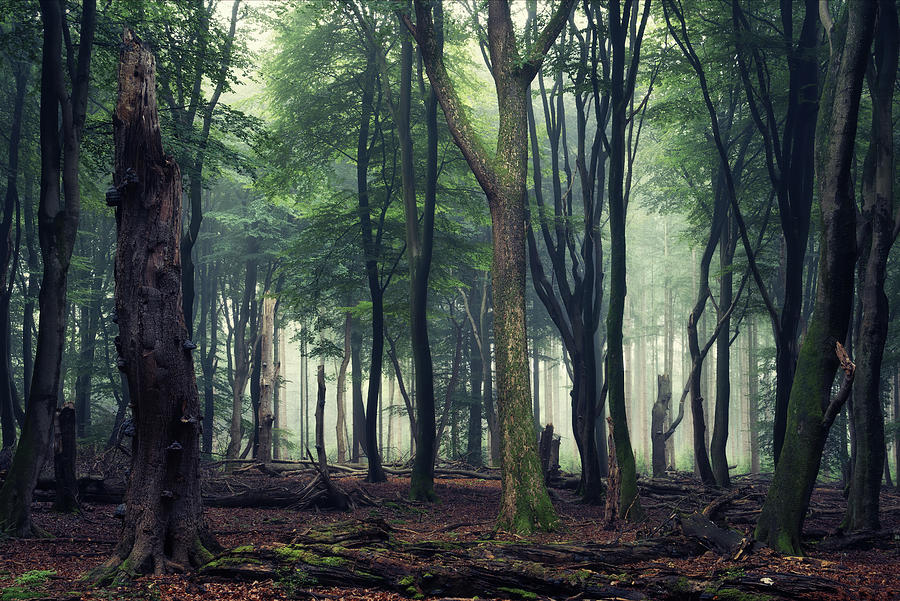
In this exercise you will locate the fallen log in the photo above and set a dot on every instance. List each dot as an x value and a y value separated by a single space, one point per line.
365 555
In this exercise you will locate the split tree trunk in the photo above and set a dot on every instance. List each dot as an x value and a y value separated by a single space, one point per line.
57 228
875 237
811 409
161 531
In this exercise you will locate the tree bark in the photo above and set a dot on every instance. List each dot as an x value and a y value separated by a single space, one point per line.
7 259
875 237
658 425
811 409
524 504
162 527
57 228
268 374
341 424
64 460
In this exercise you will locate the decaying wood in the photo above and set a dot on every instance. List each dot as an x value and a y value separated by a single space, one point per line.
365 555
614 480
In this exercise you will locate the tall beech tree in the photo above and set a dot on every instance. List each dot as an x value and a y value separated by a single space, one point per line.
812 409
162 526
574 301
788 135
621 86
8 255
525 504
875 236
62 114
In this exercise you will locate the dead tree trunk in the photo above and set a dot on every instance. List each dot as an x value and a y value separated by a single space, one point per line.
658 431
162 528
64 453
268 373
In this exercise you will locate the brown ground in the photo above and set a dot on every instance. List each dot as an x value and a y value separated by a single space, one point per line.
466 512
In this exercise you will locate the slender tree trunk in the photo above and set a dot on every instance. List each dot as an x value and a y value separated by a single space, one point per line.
242 352
476 378
359 413
57 228
753 394
162 527
811 409
341 424
268 373
718 456
8 261
875 237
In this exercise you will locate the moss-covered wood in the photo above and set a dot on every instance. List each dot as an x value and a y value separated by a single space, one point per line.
524 504
368 555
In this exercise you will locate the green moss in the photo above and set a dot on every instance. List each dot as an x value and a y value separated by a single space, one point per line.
298 553
521 593
733 594
34 577
231 561
14 592
244 549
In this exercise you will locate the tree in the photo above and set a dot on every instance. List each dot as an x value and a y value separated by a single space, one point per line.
57 227
875 236
812 409
622 83
163 517
788 141
525 504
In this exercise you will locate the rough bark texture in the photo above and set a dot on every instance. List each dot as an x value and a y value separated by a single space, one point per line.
8 260
57 227
658 424
161 530
268 373
875 237
64 459
524 503
341 424
784 510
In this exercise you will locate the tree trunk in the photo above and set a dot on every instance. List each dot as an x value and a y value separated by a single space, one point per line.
242 351
524 503
341 424
57 228
268 374
359 412
718 456
476 378
753 379
875 236
64 460
161 530
811 411
658 425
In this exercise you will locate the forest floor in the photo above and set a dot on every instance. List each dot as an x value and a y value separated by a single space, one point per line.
50 568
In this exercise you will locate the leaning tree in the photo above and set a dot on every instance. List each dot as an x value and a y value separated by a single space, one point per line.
162 527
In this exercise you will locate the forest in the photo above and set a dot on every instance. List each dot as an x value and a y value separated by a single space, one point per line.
449 299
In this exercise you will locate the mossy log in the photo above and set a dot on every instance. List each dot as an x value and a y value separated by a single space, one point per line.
368 555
